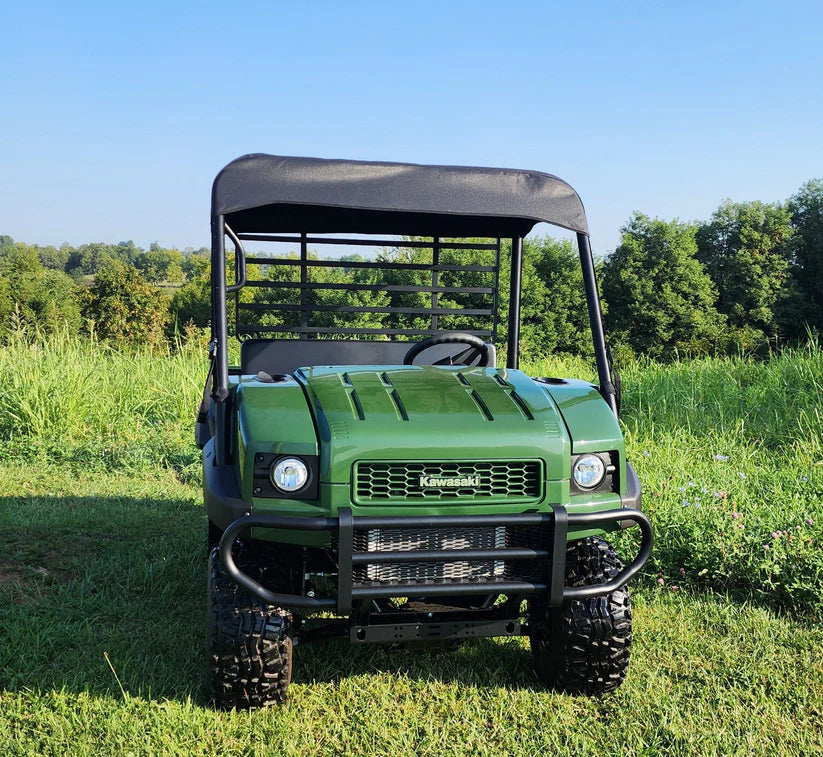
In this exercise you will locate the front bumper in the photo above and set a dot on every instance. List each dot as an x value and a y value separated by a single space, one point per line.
551 554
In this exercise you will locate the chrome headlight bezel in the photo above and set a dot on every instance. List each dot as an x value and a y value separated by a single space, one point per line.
589 471
289 474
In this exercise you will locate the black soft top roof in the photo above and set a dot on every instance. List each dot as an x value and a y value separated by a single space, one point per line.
269 193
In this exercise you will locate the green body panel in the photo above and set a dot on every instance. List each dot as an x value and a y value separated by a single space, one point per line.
270 418
590 422
432 413
347 414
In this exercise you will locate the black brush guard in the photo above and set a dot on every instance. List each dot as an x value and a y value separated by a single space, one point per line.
551 584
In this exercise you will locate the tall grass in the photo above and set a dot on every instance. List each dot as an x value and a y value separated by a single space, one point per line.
77 401
774 403
730 452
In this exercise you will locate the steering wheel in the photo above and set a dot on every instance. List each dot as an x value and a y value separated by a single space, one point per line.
476 348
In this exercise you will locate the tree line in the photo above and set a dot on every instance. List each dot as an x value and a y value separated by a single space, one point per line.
118 292
750 278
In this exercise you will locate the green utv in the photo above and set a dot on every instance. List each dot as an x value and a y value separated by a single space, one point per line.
370 472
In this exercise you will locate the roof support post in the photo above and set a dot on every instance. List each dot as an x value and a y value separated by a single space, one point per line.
596 322
304 277
219 333
435 278
513 340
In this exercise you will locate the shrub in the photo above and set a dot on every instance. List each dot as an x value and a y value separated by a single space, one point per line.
122 306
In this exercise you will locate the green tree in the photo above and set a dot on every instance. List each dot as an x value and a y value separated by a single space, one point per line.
321 302
466 301
193 261
453 276
743 250
54 257
56 302
333 297
20 266
44 298
805 254
88 259
191 304
126 252
554 314
122 306
413 301
659 297
553 309
6 306
158 264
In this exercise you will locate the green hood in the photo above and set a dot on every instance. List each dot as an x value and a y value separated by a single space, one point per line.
432 413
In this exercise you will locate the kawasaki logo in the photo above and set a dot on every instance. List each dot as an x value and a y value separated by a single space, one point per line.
428 482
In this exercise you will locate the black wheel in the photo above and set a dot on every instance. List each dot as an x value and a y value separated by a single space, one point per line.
249 646
583 647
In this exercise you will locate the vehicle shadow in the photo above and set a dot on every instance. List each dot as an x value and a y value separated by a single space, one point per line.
102 595
106 595
479 663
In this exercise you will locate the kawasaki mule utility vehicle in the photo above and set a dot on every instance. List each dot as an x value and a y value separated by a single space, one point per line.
371 471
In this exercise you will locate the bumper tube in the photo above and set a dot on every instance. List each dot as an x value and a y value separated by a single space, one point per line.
345 524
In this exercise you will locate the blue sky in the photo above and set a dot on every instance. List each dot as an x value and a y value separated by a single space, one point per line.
116 117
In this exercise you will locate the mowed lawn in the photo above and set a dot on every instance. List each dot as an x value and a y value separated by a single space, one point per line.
102 599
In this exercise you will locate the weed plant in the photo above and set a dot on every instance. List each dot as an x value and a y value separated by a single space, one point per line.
730 453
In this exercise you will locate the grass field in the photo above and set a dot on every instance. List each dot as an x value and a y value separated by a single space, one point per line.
102 583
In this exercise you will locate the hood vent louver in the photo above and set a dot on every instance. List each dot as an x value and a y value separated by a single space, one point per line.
354 400
473 393
514 397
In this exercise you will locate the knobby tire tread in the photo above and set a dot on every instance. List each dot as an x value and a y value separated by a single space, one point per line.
590 654
250 646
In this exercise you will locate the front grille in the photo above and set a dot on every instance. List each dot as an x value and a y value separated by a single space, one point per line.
489 481
463 571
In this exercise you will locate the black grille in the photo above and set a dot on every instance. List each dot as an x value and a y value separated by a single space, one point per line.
463 571
491 481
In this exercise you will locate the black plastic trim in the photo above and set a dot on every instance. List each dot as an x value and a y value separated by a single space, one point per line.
400 632
634 494
263 486
224 505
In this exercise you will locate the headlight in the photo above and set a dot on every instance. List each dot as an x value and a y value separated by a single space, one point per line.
588 471
289 474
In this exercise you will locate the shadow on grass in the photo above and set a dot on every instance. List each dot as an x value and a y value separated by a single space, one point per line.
93 586
102 592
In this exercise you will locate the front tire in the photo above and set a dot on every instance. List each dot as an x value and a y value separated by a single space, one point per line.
249 645
584 646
